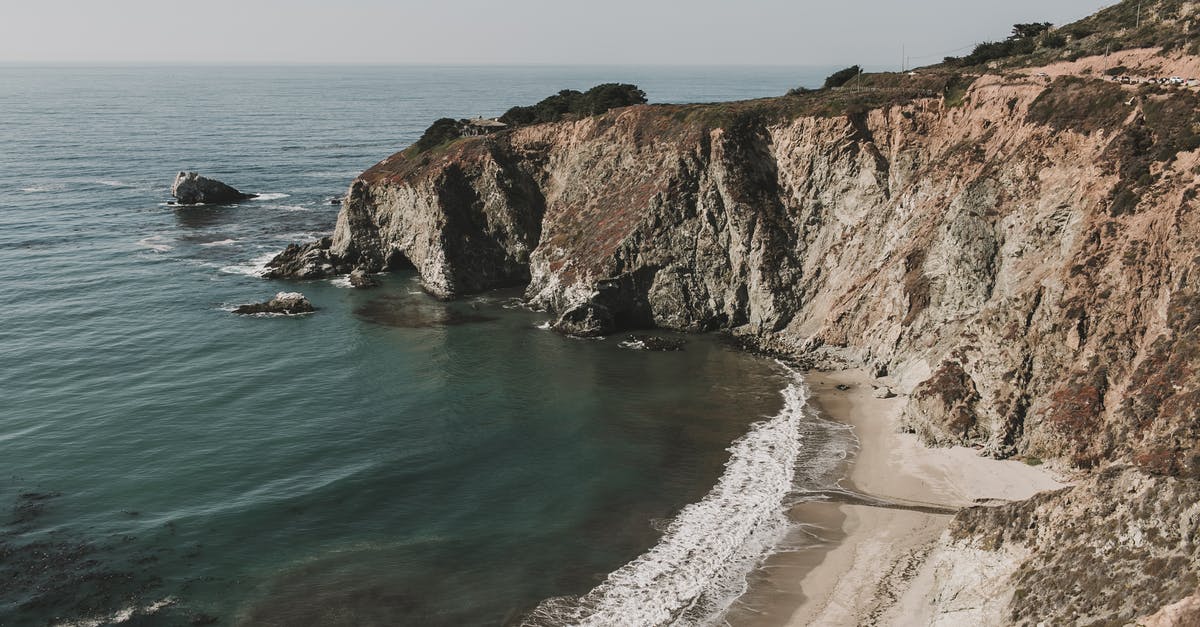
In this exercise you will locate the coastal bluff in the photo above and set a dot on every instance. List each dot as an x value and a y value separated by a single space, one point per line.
1014 253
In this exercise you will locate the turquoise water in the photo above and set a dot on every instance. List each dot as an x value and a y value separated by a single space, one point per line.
387 460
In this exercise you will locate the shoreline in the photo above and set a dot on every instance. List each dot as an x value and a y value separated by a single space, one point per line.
856 563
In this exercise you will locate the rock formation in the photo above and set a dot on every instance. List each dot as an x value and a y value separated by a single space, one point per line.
190 188
657 343
360 279
1023 274
284 303
1123 540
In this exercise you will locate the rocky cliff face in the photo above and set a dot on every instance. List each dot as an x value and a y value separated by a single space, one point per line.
1022 262
1099 553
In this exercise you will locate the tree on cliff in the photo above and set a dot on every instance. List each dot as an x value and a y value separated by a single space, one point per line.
594 101
1023 40
1029 31
440 132
841 77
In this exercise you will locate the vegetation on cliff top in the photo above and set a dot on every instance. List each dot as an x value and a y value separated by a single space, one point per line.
841 77
1170 24
566 104
569 102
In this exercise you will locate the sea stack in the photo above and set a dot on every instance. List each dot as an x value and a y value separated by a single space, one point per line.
190 188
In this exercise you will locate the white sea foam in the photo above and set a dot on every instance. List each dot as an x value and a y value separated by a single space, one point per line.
221 242
271 196
545 326
121 616
46 187
255 267
111 183
156 243
12 435
699 566
342 281
292 207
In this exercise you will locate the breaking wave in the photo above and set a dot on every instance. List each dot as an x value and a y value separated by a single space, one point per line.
271 196
699 566
255 267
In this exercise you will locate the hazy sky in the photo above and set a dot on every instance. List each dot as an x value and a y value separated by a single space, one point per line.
778 32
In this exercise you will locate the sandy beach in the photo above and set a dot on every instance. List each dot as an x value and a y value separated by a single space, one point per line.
853 563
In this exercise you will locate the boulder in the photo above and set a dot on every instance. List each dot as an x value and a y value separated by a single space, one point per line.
286 303
190 188
310 261
586 319
884 392
360 279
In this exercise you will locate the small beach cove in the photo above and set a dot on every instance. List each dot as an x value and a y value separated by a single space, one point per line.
860 555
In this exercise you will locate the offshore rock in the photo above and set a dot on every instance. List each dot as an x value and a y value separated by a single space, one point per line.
586 320
190 188
657 343
308 261
360 279
284 303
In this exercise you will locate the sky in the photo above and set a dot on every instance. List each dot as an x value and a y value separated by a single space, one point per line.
600 32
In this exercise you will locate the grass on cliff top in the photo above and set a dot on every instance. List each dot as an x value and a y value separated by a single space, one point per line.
1170 24
859 95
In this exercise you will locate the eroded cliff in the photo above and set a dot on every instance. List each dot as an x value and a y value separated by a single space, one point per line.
1018 258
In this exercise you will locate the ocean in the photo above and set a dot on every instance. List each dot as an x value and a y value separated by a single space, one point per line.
387 460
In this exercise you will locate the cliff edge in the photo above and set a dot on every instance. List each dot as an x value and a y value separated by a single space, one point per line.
1018 260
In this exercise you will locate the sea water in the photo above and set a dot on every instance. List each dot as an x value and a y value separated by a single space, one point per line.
390 459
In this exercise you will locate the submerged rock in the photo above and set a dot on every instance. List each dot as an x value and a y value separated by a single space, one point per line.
190 188
287 303
644 342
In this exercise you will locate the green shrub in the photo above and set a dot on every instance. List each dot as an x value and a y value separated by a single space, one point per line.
1029 31
440 132
841 77
594 101
1054 40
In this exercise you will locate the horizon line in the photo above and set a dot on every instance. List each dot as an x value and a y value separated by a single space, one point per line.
118 63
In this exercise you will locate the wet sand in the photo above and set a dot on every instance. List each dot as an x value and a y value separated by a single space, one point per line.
850 563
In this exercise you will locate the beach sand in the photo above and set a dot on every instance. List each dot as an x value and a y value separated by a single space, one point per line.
852 564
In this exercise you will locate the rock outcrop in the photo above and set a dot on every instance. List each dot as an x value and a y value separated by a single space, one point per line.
655 343
361 280
1022 271
1122 541
190 188
284 303
308 261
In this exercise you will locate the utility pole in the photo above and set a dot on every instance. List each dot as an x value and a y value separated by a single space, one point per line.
903 59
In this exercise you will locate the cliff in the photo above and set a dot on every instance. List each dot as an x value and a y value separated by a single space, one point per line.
1020 263
1015 252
